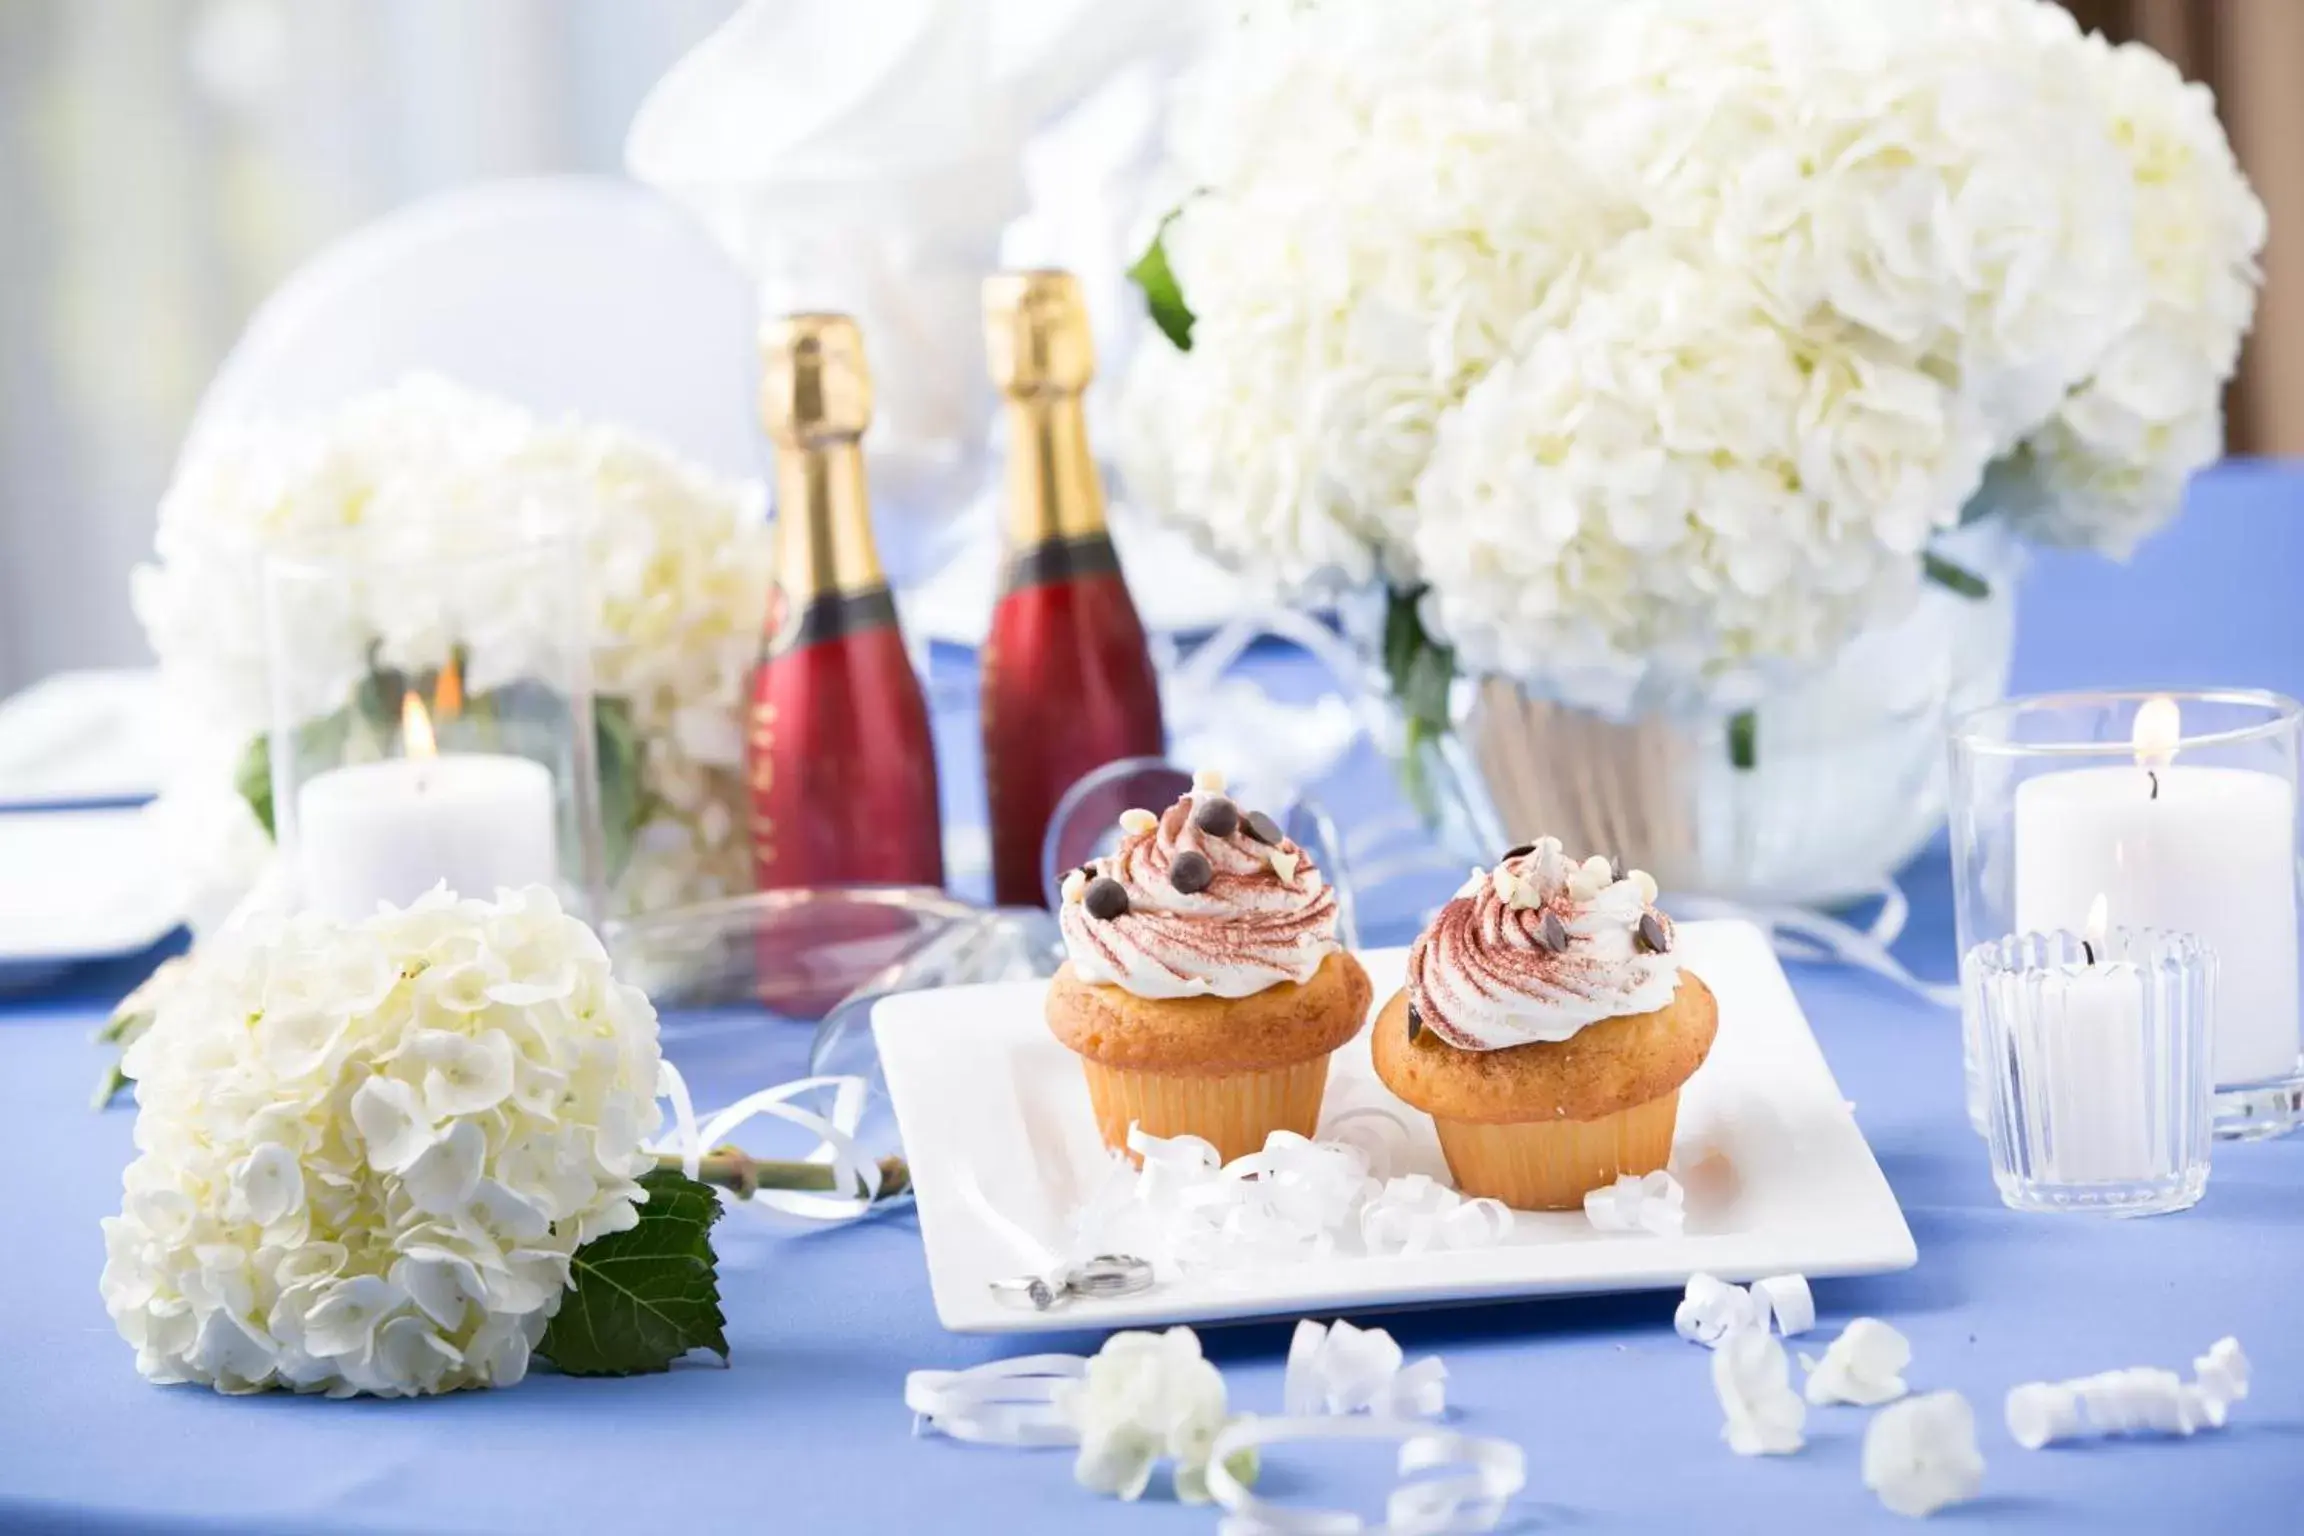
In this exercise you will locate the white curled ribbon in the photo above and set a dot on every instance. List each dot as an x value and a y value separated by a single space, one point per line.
1652 1202
1797 933
835 1132
1711 1308
1864 1366
1294 1201
1003 1402
2138 1400
1414 1214
1340 1369
1477 1478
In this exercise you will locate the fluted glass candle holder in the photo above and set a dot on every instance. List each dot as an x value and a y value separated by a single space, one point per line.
432 721
2178 811
2096 1068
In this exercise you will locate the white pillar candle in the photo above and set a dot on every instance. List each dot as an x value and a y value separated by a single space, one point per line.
389 831
2082 1053
2193 849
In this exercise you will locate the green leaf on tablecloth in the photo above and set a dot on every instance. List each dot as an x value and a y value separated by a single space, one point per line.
642 1298
1163 295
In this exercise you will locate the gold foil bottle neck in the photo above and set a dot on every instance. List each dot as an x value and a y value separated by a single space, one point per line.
1036 333
816 386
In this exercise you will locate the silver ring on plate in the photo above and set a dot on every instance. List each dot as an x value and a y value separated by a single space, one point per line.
1111 1274
1025 1289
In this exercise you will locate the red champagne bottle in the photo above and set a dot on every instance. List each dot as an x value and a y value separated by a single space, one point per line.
1068 679
842 767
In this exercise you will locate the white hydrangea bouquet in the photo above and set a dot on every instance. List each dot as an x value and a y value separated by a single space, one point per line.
403 1155
1642 352
373 1158
678 574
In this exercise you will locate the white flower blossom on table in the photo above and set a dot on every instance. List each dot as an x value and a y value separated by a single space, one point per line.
366 1152
677 569
1655 340
1145 1397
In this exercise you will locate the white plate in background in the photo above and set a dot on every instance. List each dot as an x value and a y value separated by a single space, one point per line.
983 1092
83 737
78 886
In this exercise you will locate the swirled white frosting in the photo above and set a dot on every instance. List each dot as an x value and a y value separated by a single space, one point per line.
1267 916
1482 978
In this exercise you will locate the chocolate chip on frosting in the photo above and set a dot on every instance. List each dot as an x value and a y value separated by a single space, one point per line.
1552 933
1105 898
1415 1022
1520 852
1218 817
1190 872
1263 828
1654 934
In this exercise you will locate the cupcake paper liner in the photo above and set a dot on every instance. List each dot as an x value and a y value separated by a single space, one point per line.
1550 1165
1235 1112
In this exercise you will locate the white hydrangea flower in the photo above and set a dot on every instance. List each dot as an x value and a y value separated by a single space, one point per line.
678 576
1657 338
2109 466
1145 1396
367 1151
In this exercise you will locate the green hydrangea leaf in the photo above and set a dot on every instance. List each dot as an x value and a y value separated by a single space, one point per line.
1163 295
642 1298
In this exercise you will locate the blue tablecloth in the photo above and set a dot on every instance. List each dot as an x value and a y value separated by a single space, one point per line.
806 1431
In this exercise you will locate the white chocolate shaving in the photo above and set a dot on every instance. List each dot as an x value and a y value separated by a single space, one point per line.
1645 883
1920 1454
1208 782
1074 884
1789 1301
1284 865
1136 820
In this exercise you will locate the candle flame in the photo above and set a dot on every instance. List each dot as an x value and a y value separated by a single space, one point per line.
2158 730
416 727
448 692
2099 916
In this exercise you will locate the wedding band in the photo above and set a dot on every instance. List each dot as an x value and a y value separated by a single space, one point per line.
1111 1274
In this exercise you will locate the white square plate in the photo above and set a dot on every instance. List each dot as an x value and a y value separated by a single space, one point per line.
994 1112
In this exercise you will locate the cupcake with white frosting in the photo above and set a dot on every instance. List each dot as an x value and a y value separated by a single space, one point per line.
1547 1027
1203 988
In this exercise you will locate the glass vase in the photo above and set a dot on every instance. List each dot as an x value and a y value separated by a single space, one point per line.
432 722
1840 782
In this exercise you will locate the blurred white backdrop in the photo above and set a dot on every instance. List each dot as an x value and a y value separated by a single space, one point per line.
165 163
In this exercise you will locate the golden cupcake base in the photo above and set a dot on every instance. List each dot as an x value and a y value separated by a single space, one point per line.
1550 1165
1235 1111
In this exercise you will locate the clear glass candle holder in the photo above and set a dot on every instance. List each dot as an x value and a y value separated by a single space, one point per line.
432 720
2096 1068
2176 811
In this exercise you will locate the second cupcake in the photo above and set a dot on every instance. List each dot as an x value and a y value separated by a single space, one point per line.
1546 1028
1203 988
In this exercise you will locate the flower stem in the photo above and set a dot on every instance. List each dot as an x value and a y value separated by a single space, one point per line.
1744 740
1954 577
730 1168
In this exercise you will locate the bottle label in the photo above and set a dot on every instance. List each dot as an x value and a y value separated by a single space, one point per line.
829 616
1059 560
